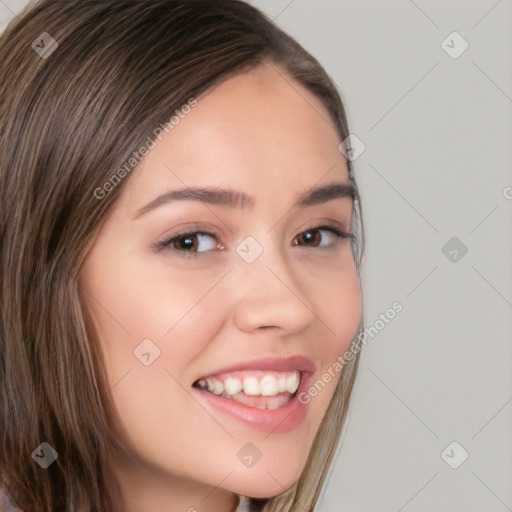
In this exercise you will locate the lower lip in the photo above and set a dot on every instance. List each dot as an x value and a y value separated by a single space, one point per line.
283 419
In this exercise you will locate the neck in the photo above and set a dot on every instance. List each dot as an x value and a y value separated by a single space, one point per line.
145 488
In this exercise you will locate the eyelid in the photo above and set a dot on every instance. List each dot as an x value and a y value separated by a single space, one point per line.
199 229
194 228
330 224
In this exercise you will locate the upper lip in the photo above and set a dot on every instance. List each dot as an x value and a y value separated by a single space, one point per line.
282 363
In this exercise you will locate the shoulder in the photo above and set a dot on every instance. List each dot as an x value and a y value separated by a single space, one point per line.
5 503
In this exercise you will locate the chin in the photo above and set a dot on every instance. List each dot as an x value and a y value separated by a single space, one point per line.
265 483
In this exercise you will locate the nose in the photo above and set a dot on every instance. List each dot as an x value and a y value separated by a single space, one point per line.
270 295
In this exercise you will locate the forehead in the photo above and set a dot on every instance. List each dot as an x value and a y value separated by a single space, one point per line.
258 131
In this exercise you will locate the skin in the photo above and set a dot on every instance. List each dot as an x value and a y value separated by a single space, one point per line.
254 133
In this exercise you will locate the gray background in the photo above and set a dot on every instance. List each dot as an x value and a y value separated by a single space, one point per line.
437 165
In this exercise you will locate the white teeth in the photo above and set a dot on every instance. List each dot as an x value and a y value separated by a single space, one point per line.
269 385
232 386
215 386
251 386
292 383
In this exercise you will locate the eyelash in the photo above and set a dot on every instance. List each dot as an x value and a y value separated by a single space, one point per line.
166 244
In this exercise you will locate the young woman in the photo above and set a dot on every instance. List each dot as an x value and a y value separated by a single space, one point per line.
181 251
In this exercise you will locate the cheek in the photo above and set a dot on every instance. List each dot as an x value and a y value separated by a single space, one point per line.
340 309
131 304
162 321
166 319
347 314
340 316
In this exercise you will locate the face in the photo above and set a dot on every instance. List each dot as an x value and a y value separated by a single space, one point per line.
238 292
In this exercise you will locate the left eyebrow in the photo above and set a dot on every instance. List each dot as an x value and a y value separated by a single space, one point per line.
237 199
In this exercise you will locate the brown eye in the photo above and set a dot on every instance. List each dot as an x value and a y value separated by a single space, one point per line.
188 243
312 237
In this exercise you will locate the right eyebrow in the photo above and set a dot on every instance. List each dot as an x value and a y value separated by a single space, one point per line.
239 199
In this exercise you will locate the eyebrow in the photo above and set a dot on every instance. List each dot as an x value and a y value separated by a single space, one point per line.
237 199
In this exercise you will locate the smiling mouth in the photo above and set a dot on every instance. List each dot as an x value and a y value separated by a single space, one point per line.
255 388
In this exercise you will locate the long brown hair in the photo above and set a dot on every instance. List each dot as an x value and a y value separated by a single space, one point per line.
82 85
